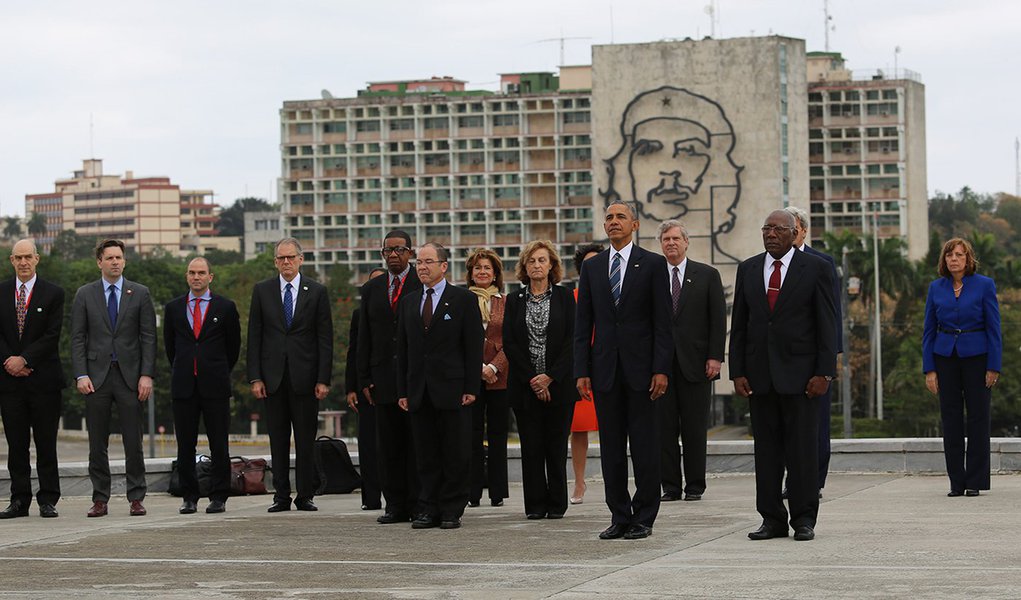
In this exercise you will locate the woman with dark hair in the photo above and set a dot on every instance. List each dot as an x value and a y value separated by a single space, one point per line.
584 409
490 411
961 353
538 331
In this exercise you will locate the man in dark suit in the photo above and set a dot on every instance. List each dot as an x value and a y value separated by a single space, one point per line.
782 358
623 293
377 376
439 350
825 400
699 328
368 448
113 354
31 316
290 361
202 336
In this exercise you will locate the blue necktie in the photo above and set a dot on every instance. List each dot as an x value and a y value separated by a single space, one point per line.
288 306
111 307
615 279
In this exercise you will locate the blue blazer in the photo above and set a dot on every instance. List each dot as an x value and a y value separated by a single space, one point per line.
976 314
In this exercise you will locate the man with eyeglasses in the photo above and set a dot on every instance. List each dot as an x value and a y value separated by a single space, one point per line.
377 375
290 360
783 355
439 350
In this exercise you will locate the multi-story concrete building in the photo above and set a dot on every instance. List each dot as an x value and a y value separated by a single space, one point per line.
146 212
463 168
262 230
867 151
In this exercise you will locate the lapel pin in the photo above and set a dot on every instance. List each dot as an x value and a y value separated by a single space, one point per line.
216 319
39 309
304 288
688 280
128 291
636 265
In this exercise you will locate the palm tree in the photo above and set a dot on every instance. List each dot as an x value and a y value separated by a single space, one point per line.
37 225
12 228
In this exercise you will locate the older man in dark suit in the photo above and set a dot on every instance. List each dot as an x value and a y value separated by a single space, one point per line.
782 358
623 294
31 316
377 375
699 328
202 336
439 350
290 362
113 354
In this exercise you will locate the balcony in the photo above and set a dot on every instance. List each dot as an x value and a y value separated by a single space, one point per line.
579 200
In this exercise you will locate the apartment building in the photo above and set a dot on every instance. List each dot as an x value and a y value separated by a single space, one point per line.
146 212
464 168
867 151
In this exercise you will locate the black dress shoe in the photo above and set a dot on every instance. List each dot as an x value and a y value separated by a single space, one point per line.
279 506
638 532
669 497
371 506
692 497
971 493
425 522
496 502
765 532
450 524
555 516
188 508
535 516
617 530
804 533
305 504
14 509
390 518
216 506
48 511
954 493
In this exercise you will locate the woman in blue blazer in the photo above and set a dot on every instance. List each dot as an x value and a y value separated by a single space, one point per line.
961 352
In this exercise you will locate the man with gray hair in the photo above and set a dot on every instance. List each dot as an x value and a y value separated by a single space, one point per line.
290 358
699 327
801 222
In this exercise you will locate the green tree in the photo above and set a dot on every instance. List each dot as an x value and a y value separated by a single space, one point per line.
12 227
69 246
232 219
36 224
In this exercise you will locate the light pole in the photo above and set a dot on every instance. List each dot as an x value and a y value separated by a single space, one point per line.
845 357
878 323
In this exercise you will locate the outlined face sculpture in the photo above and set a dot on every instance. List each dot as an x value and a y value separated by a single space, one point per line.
675 162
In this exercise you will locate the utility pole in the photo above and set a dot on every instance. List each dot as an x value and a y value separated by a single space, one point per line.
878 323
845 356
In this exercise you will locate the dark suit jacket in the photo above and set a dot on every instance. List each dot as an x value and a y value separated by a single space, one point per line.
377 328
39 341
637 332
351 361
134 340
837 285
976 313
700 326
306 348
446 361
559 342
215 352
784 348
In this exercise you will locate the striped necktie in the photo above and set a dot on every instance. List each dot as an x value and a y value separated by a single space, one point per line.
615 279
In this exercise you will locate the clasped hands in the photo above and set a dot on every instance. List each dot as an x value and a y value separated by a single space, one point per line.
17 366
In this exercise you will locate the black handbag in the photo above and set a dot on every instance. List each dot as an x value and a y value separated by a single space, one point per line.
203 472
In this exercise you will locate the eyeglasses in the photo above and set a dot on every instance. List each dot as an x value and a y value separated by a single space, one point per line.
287 258
428 262
388 250
775 228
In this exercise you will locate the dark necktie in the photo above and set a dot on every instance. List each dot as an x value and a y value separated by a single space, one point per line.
288 306
773 292
675 289
111 307
615 279
393 293
22 309
427 310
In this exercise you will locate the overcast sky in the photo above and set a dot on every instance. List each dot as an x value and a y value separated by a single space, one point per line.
192 89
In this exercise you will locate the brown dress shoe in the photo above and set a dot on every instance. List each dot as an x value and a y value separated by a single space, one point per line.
137 510
98 509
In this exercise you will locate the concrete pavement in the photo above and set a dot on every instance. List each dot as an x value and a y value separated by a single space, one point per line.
879 536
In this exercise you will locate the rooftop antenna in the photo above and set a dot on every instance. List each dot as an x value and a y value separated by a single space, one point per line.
826 24
562 39
713 10
92 152
896 53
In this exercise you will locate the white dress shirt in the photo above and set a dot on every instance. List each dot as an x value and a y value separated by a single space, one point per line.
767 268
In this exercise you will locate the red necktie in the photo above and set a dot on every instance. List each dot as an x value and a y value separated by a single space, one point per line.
196 327
773 291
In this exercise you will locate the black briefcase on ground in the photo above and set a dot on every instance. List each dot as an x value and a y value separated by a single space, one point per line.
335 471
203 472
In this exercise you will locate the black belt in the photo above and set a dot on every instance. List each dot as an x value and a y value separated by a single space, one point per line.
958 331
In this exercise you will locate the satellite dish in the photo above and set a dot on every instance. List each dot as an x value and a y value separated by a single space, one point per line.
327 95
